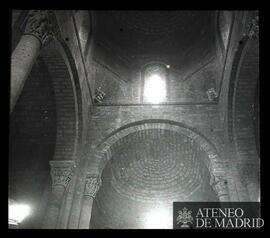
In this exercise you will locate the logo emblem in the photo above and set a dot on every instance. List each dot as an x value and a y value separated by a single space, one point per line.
184 217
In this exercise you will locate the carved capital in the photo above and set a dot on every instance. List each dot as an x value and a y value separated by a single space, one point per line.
92 184
62 172
212 94
253 27
41 24
219 185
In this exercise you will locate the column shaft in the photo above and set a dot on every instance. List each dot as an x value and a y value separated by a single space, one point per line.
86 212
254 191
39 30
92 185
22 60
54 206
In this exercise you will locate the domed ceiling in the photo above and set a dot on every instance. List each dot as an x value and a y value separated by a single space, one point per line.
142 36
149 169
125 41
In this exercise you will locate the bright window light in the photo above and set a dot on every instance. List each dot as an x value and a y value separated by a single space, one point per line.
160 218
155 89
17 212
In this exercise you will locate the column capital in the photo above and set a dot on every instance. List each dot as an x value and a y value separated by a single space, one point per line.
41 24
62 172
219 184
92 184
252 28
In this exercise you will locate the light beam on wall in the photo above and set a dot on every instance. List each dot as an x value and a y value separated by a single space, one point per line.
155 89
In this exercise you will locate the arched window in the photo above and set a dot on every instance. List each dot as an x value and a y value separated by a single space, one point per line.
154 78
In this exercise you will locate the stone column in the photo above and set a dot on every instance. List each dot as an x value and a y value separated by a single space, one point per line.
61 172
92 184
219 185
37 32
250 174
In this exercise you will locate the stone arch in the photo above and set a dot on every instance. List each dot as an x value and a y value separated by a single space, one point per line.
58 61
212 161
60 64
243 114
223 24
90 35
51 122
56 58
243 85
